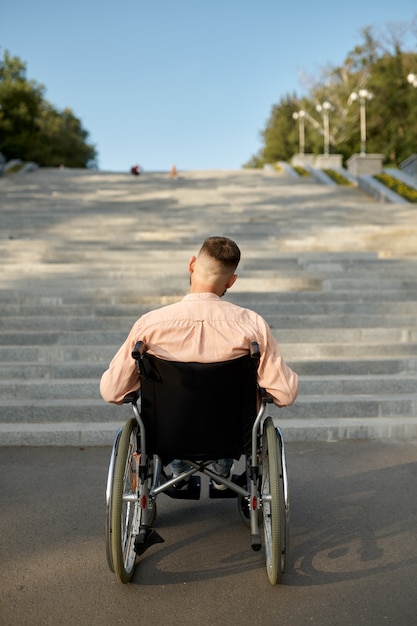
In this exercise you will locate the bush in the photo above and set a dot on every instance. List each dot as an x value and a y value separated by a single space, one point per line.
338 178
301 171
399 187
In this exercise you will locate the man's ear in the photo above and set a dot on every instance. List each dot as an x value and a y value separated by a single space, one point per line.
191 264
231 281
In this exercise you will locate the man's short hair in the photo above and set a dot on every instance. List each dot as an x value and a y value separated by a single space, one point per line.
222 249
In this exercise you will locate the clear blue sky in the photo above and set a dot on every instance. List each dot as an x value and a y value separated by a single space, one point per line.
186 82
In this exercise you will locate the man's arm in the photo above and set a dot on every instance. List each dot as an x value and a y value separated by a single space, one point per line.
121 377
274 375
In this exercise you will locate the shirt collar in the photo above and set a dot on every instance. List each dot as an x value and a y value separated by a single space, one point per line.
201 296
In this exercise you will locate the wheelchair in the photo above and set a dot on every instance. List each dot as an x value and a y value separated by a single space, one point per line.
196 412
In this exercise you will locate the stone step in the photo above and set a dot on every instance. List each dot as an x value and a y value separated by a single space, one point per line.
366 384
378 309
333 429
74 309
369 283
334 385
27 354
72 324
110 265
97 338
51 371
69 410
98 256
102 353
332 299
127 267
383 275
118 292
355 367
323 262
353 405
56 370
66 324
307 407
39 389
94 338
345 323
83 434
304 309
312 351
18 303
61 433
346 335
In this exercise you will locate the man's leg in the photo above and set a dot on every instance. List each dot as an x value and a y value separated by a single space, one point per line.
178 467
224 467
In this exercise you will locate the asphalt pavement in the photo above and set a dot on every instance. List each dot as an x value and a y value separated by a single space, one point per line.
353 545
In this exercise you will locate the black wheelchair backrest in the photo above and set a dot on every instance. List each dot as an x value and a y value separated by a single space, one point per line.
198 410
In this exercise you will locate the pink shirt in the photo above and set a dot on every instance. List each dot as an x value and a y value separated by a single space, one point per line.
201 328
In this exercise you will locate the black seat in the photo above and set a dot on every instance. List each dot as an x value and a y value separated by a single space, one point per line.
198 411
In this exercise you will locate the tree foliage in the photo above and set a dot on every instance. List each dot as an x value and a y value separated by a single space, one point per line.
31 129
377 64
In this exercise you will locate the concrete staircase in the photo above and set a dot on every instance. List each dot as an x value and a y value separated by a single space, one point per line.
354 345
84 254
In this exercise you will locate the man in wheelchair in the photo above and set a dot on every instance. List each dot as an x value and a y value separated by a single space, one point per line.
201 332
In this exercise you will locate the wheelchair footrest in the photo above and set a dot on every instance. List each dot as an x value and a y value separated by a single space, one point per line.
145 539
223 493
190 492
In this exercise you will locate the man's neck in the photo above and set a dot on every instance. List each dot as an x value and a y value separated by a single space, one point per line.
205 289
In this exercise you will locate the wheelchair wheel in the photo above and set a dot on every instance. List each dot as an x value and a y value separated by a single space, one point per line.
272 494
125 507
109 493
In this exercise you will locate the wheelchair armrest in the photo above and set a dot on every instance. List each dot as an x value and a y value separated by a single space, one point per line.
131 398
266 397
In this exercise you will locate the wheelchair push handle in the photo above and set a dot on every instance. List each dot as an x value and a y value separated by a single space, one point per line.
139 350
141 363
254 351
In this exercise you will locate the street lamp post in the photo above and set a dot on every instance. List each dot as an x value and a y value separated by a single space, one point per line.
300 116
325 109
363 95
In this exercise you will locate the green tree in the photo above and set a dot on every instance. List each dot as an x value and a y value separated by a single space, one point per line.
20 101
279 134
31 129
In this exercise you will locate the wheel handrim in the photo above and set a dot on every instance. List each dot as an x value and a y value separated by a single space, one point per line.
271 504
126 512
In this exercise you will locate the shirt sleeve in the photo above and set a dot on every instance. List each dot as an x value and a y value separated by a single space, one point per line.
274 375
121 377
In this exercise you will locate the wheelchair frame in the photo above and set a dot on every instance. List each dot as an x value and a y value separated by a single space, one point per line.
136 478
